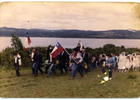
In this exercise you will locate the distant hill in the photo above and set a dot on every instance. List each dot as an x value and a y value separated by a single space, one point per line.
110 34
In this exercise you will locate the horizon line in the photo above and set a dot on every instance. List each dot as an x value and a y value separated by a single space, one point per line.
71 29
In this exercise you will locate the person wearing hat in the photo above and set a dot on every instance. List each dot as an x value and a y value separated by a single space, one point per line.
16 64
78 60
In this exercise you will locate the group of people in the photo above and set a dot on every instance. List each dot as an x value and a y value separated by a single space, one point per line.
129 61
78 61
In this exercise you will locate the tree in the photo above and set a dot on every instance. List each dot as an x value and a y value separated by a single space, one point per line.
108 46
16 43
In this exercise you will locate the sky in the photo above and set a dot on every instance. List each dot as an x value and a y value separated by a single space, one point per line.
70 15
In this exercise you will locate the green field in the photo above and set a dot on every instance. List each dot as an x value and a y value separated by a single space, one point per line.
123 85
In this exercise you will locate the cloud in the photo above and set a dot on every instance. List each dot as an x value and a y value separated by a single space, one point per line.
82 16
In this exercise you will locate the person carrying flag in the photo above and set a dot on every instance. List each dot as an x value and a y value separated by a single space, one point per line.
53 58
78 58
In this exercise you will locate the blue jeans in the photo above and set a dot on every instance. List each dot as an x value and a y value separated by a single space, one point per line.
47 67
38 68
110 72
52 69
83 68
77 68
33 69
90 66
73 67
17 70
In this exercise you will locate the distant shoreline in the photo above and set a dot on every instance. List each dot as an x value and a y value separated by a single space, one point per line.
108 34
74 37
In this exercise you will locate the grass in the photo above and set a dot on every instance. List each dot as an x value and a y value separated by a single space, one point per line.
61 86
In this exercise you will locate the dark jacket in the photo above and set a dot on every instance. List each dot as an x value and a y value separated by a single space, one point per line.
48 53
85 58
16 64
35 57
62 58
40 58
89 59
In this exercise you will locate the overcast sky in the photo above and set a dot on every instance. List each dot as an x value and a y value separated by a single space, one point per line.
81 16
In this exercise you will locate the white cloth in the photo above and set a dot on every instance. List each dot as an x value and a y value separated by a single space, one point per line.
80 45
135 62
122 61
19 61
50 57
128 63
78 56
15 59
32 55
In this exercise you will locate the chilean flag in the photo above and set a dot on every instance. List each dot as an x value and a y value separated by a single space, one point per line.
27 42
57 49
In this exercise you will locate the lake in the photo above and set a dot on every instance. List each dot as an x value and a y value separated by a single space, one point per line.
72 42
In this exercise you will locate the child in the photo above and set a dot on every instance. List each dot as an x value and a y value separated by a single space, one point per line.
16 65
110 64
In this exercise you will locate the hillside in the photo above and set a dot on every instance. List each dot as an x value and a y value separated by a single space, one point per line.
114 34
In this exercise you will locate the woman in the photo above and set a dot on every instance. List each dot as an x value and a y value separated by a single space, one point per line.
121 63
135 62
127 64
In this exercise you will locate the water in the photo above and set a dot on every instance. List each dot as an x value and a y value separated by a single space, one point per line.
72 42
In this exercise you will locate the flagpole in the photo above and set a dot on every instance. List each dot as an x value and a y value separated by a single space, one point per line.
67 52
29 46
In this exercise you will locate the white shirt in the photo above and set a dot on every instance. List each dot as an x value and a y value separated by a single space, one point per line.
15 59
79 56
50 57
32 56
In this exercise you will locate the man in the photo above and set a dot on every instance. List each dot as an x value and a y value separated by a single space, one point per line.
63 59
49 50
19 58
85 61
32 61
16 64
90 60
39 62
78 58
53 65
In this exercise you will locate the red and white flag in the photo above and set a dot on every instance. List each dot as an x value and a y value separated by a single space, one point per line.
27 42
57 49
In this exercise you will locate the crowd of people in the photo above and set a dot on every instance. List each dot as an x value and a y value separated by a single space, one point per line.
79 61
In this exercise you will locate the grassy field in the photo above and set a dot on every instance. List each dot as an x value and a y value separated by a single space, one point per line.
123 85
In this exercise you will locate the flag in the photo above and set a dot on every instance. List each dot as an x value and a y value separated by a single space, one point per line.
27 42
57 49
